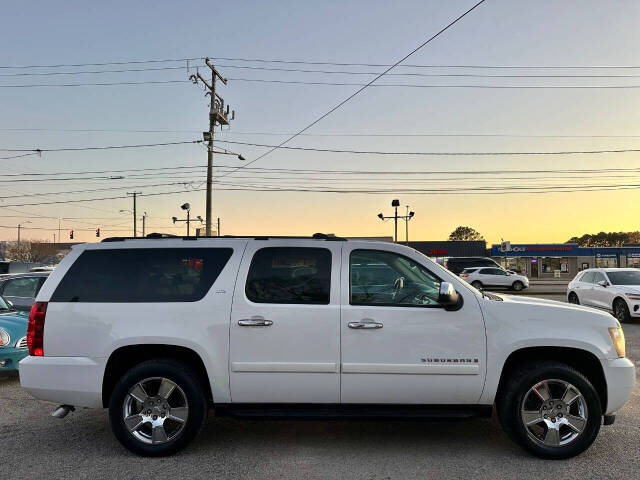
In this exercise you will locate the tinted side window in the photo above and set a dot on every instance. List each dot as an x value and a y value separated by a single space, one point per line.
587 277
21 287
598 277
142 275
385 278
290 275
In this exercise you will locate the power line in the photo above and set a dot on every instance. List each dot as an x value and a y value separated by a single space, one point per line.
319 63
130 62
92 84
417 74
284 134
377 152
17 156
354 64
357 92
337 84
93 72
107 147
261 170
452 191
418 85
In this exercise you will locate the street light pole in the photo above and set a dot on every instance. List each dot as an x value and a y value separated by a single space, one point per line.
395 220
187 207
406 237
407 217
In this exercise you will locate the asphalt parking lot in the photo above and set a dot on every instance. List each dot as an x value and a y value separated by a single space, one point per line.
35 445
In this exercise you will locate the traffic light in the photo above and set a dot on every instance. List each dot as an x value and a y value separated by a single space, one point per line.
71 234
97 232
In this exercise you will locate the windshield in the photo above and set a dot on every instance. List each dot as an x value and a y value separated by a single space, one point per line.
4 305
624 278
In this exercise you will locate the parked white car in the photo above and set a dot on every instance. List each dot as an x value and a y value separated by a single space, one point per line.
482 278
616 290
159 330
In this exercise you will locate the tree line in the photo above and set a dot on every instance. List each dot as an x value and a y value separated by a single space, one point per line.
606 239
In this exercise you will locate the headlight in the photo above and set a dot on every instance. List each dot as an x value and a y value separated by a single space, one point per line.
617 337
5 338
633 296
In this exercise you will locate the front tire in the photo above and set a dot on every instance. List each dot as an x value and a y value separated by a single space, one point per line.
157 408
621 311
518 285
550 409
573 298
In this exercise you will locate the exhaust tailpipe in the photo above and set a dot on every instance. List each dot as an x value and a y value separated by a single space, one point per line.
62 411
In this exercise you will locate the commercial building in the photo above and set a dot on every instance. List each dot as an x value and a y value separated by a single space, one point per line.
563 260
439 251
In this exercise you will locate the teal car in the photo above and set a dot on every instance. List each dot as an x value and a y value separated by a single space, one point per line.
13 336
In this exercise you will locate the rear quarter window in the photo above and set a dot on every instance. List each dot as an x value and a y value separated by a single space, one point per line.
142 275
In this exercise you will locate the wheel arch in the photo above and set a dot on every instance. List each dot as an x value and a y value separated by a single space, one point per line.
582 360
618 297
126 357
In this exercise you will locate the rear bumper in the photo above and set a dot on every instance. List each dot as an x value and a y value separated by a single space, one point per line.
68 380
620 374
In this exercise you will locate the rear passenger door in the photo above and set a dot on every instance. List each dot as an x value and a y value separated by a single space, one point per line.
285 323
584 289
496 277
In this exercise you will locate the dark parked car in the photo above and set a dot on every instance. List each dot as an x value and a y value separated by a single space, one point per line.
458 264
21 288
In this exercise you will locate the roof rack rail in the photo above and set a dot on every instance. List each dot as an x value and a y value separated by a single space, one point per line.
158 236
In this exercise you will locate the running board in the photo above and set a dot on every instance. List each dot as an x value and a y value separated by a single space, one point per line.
352 411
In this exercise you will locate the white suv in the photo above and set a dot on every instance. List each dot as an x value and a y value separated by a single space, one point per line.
482 278
616 290
159 330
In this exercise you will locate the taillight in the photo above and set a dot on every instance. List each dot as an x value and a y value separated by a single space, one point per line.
35 329
464 275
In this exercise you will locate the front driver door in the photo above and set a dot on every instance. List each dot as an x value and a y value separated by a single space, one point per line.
399 345
602 296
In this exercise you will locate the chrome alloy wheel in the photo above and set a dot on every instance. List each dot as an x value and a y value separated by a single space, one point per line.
155 410
554 413
620 311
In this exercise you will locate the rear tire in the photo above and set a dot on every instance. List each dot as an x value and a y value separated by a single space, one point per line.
621 311
518 285
164 406
573 298
477 284
572 409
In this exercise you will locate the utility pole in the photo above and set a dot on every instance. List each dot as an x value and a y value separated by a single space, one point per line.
19 227
59 237
217 116
395 216
218 230
135 218
144 217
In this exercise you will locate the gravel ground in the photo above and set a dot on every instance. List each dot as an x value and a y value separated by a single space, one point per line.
35 445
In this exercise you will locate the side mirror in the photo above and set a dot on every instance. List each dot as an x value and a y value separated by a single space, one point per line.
449 298
603 283
9 303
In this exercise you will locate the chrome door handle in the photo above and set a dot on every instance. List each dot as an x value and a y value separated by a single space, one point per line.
365 324
255 322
